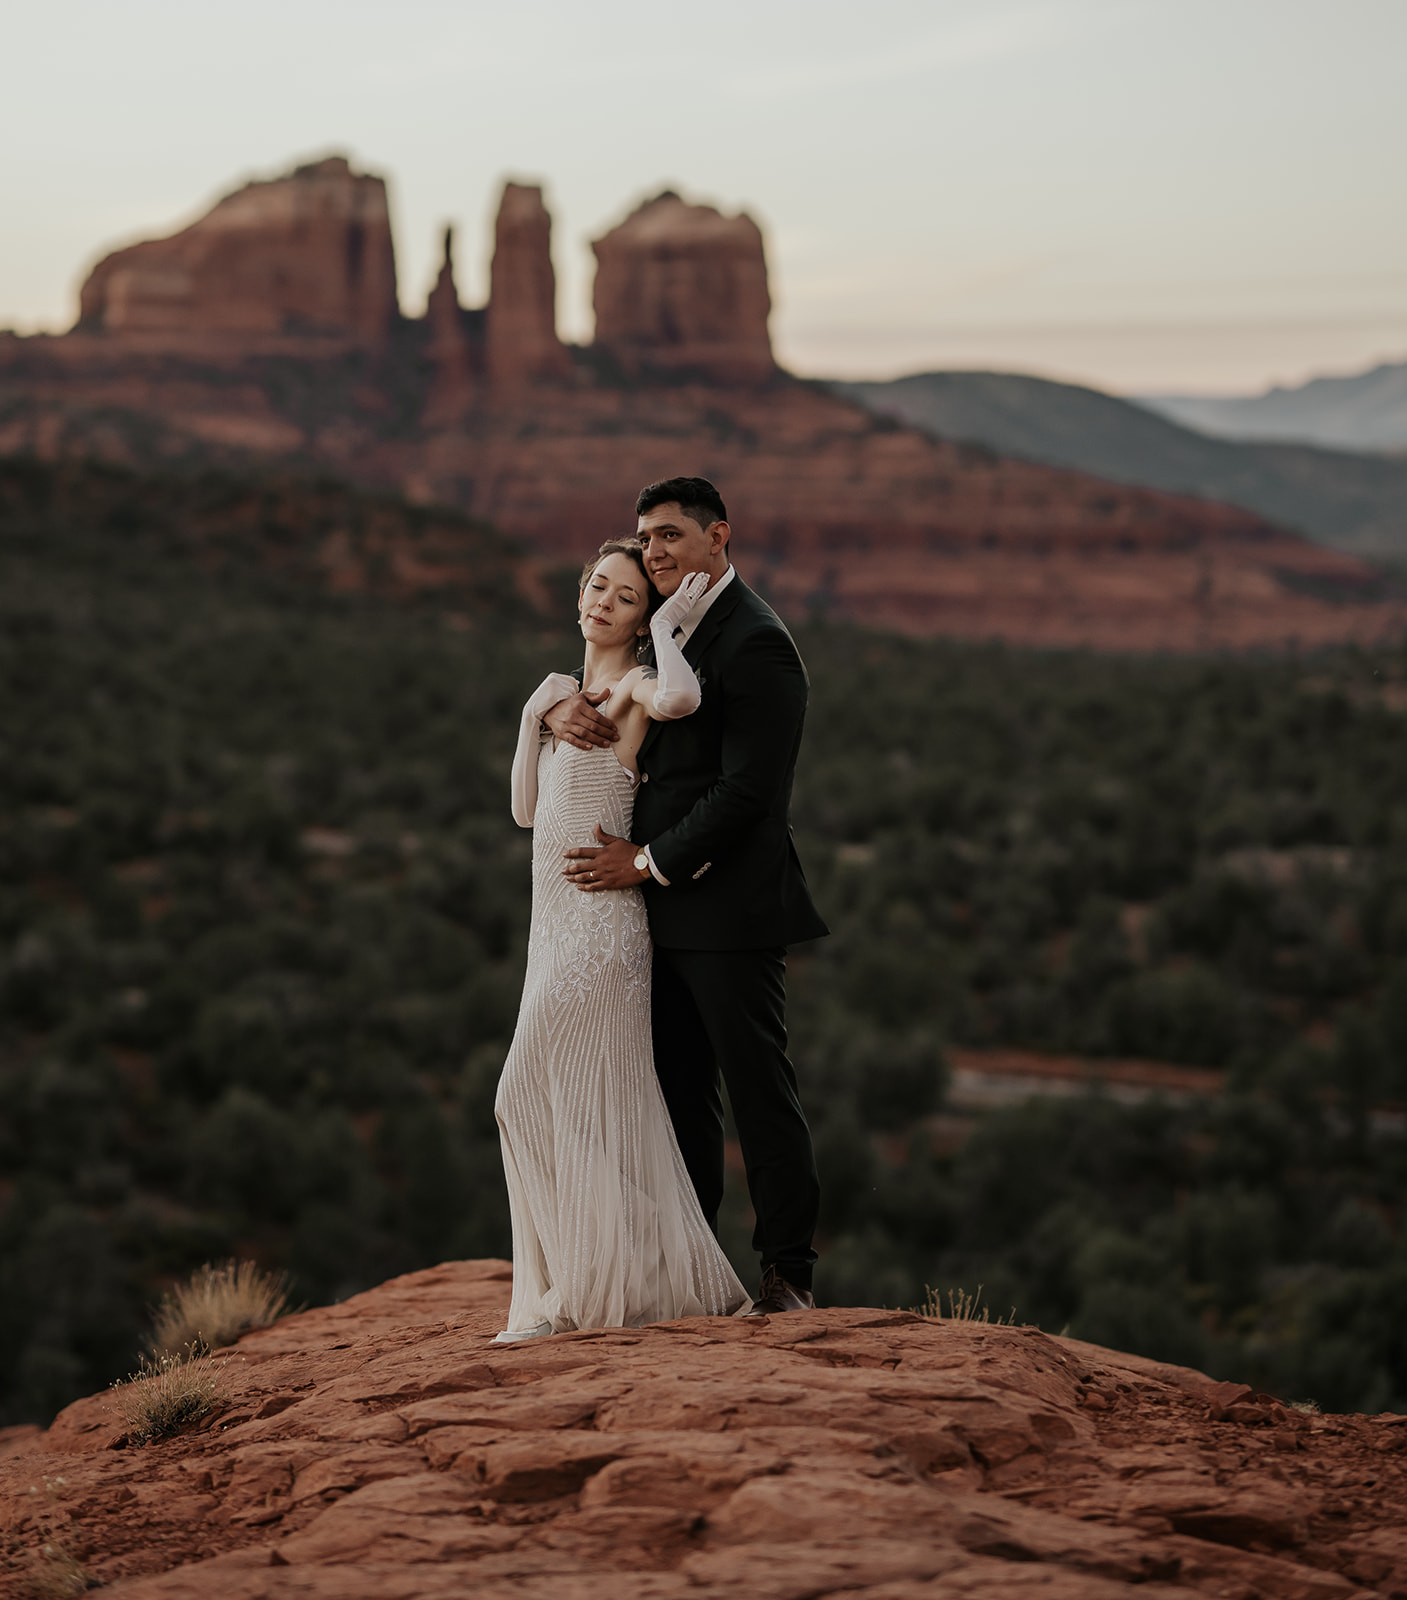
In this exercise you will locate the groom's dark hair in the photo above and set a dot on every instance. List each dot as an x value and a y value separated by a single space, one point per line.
696 498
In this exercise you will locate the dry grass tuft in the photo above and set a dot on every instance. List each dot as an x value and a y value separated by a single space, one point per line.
962 1307
166 1395
216 1306
53 1574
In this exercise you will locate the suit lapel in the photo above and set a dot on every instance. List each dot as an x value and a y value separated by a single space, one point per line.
699 641
713 619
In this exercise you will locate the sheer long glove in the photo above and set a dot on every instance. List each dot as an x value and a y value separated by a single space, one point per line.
677 691
556 686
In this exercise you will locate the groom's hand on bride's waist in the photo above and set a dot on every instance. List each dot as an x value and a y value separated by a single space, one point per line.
611 865
577 721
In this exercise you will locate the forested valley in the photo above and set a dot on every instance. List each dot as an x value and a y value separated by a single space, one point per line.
263 914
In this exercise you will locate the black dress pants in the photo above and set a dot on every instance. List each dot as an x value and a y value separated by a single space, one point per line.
724 1012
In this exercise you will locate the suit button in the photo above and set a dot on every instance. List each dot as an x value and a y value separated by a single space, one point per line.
644 777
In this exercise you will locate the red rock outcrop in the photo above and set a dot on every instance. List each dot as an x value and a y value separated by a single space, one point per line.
386 1449
835 513
682 288
307 257
521 317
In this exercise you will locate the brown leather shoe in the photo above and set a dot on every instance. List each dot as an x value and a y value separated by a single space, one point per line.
777 1295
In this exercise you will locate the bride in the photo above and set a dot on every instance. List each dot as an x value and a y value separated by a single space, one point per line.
607 1230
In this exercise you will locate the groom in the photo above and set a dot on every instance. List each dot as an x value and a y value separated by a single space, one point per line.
722 882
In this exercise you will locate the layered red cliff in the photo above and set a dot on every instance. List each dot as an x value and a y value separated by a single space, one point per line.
386 1449
186 346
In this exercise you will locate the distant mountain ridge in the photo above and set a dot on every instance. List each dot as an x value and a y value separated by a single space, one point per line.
1367 411
1354 502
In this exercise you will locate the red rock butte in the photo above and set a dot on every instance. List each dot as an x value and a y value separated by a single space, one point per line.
387 1449
681 288
308 256
271 328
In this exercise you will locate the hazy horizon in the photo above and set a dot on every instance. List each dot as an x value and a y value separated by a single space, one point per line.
1138 195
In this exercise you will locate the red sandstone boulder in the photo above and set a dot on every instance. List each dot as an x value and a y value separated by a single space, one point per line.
521 321
386 1449
304 256
684 288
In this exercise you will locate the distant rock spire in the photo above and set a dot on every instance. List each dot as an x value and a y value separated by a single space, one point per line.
442 308
521 323
452 387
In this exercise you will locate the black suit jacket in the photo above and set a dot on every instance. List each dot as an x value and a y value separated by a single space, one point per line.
715 790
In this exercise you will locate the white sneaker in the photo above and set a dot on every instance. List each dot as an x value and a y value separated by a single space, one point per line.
512 1335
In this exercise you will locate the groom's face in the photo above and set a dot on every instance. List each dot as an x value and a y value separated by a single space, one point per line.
675 546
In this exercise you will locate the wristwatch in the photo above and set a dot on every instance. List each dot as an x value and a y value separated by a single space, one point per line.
641 862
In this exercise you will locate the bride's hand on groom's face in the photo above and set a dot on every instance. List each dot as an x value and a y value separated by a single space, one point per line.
609 866
576 720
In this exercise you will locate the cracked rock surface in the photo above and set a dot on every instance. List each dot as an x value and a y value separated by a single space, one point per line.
386 1449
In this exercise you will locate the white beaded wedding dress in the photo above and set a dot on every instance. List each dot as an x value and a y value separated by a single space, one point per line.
607 1230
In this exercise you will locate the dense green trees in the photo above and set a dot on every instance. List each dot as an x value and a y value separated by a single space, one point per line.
1191 861
263 911
1195 861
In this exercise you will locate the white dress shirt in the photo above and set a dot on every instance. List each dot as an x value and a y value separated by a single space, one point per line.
684 632
699 610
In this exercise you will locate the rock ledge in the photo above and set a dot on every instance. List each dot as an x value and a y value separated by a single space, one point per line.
385 1449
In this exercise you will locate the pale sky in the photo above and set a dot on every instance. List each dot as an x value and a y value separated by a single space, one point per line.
1148 195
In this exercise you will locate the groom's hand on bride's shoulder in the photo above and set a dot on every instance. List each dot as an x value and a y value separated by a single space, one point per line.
611 865
576 720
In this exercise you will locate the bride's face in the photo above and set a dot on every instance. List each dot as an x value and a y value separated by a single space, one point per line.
613 603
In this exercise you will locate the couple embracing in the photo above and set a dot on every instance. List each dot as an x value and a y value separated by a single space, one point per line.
665 891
